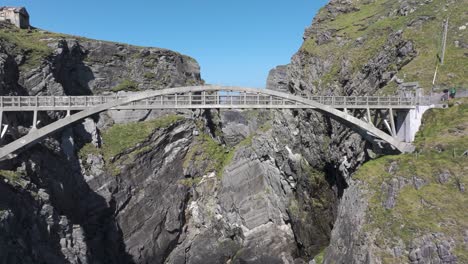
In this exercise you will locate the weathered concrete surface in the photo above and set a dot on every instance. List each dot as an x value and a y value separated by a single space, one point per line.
347 119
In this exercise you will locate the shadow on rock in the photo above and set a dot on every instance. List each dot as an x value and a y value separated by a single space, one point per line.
60 175
70 71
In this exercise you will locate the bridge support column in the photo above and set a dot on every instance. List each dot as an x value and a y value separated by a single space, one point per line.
68 112
403 125
3 129
392 122
369 119
409 122
34 124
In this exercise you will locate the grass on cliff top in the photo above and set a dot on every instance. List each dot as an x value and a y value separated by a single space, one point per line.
121 137
373 24
437 206
27 42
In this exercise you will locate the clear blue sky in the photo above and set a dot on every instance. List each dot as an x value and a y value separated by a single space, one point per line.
235 42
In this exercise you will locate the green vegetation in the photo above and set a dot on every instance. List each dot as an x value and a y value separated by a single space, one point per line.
210 153
189 182
125 137
437 206
443 128
10 175
212 156
121 137
371 23
126 85
319 258
30 43
149 75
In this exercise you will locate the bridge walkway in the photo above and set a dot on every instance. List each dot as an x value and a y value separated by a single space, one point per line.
340 108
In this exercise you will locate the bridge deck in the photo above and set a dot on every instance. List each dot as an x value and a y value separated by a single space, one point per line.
203 100
208 97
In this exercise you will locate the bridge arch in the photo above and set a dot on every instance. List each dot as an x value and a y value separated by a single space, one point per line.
366 128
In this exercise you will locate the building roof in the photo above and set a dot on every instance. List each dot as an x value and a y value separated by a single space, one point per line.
22 10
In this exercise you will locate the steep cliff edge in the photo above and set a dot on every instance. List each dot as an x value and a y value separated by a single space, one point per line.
364 47
369 47
43 63
410 208
200 187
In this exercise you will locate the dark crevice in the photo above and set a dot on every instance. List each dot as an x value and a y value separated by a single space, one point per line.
71 195
173 244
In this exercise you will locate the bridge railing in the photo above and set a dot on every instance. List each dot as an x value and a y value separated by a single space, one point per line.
363 100
8 103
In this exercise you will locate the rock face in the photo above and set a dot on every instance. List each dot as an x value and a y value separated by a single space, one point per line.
65 65
364 47
215 186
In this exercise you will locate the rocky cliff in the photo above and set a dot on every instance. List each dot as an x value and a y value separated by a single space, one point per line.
367 47
198 187
370 47
410 208
38 62
222 186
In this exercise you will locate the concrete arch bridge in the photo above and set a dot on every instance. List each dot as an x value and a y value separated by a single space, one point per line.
393 120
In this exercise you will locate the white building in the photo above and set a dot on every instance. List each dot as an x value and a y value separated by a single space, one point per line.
18 16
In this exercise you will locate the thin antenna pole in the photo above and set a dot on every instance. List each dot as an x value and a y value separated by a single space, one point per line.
444 41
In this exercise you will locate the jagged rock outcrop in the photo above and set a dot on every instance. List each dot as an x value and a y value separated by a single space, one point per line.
65 65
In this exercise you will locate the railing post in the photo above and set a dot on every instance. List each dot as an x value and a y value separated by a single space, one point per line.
203 97
258 98
231 98
34 119
271 100
175 99
190 98
245 98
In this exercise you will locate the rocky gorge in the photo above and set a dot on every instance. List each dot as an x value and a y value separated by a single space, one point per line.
235 186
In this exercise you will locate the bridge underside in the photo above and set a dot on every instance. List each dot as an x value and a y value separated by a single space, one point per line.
379 119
